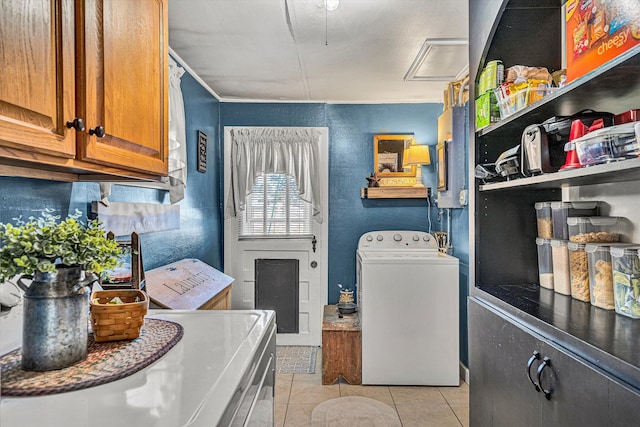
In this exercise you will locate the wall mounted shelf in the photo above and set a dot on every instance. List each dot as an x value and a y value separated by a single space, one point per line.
395 193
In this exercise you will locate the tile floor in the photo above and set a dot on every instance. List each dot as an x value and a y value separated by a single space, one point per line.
297 394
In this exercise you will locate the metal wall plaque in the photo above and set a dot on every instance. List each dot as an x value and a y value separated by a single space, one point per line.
202 152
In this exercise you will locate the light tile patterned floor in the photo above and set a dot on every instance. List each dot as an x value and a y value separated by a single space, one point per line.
297 394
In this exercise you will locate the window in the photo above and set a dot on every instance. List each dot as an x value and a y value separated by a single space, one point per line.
273 209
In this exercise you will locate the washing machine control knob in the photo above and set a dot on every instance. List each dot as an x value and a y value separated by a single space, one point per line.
426 238
397 237
369 238
379 238
416 238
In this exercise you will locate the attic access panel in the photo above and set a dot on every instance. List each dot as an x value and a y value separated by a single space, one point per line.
440 60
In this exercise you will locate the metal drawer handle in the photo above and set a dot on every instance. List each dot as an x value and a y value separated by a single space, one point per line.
545 362
534 357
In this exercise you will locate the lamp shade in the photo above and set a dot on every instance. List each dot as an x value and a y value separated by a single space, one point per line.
418 155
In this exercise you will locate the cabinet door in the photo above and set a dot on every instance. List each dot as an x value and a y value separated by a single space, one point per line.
500 393
37 77
624 405
579 393
123 50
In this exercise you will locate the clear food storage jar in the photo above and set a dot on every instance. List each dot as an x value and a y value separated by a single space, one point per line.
544 220
601 273
578 271
560 211
560 261
545 263
626 280
593 229
607 145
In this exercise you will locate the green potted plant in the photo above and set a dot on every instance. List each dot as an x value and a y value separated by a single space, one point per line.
60 258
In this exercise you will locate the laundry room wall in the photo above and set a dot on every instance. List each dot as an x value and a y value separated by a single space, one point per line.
351 131
460 241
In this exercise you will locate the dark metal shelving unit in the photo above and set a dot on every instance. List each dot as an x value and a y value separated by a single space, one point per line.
505 274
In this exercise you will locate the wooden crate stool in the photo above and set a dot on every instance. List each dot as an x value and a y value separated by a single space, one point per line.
341 346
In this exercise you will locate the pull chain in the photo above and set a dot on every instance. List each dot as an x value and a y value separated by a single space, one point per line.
326 25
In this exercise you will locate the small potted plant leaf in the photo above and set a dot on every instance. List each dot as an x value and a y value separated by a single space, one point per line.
60 258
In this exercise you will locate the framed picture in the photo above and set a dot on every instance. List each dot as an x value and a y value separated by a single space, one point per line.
122 273
130 273
442 166
388 156
202 152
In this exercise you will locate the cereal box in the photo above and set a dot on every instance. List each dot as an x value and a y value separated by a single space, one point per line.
598 31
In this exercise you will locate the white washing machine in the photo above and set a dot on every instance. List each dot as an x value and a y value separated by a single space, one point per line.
408 303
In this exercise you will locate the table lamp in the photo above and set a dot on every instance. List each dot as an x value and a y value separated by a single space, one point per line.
418 155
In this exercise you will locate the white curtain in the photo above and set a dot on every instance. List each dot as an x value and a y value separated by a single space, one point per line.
177 135
258 151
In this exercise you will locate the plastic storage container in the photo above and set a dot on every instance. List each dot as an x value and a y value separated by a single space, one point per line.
607 145
594 229
545 263
601 273
511 103
560 211
544 220
626 280
560 261
579 271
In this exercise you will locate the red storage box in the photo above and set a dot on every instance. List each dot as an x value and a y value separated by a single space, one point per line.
626 117
598 31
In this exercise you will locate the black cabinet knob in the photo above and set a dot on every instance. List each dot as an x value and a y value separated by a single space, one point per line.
77 124
98 131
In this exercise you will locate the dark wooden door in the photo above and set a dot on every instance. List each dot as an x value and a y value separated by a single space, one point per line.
501 394
579 394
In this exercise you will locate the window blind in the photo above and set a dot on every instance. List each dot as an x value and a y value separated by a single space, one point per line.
274 209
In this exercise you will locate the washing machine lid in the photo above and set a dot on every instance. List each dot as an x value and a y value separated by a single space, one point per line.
406 257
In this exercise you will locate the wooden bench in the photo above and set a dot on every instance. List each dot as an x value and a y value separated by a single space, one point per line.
341 346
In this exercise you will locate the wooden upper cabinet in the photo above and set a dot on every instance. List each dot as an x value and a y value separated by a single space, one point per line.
123 83
37 76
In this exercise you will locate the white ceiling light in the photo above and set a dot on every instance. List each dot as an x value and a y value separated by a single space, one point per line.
332 4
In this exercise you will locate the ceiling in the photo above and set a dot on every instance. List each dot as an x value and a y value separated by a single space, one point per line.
365 51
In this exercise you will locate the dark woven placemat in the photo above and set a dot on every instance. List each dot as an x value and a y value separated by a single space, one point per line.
105 362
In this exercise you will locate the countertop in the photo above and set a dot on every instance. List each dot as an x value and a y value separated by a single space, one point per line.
191 385
601 337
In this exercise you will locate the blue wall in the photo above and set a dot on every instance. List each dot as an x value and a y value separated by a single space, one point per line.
351 131
200 233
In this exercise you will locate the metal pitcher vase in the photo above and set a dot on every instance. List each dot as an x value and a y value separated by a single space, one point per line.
55 325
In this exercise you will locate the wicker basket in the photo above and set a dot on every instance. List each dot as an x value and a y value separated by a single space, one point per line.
113 322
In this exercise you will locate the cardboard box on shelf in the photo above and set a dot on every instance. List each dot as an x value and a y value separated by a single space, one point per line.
452 96
598 31
487 110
